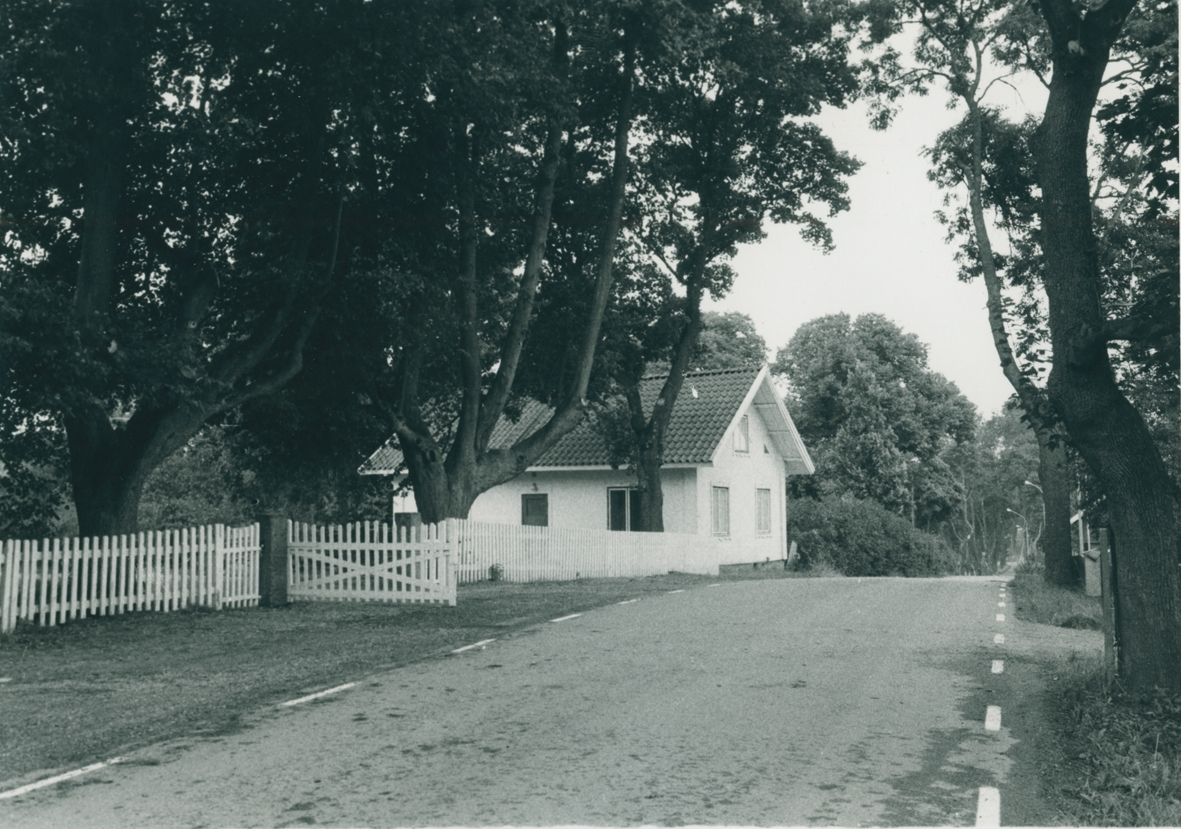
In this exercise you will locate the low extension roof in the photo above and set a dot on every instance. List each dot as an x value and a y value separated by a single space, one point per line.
709 402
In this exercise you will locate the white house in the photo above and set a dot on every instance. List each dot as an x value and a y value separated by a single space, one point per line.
729 447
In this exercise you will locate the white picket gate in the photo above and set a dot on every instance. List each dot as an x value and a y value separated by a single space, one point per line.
525 554
368 561
55 580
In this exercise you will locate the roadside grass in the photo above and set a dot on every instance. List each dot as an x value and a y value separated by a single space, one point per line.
1122 754
88 690
1127 750
1045 604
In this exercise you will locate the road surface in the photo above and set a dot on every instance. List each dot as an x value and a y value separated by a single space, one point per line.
780 702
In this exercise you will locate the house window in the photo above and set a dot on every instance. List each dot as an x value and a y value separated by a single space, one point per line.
742 435
535 510
763 502
623 508
721 510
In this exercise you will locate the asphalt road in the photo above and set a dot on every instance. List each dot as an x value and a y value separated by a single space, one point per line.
793 701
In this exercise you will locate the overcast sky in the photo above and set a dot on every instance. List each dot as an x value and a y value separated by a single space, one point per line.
890 256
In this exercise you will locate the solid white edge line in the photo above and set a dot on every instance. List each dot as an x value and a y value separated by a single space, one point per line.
998 666
49 781
999 639
564 618
317 695
473 645
1000 617
992 718
988 807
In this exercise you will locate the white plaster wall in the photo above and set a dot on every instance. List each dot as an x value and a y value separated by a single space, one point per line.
744 473
579 498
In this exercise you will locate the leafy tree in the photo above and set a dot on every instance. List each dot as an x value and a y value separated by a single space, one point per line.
175 183
728 340
730 147
1107 430
877 421
998 476
539 91
984 154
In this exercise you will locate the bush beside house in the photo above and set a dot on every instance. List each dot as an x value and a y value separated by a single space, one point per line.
863 538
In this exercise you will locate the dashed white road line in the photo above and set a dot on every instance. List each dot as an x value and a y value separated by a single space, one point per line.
49 781
1000 604
992 718
998 666
677 591
988 807
317 695
474 645
1000 617
629 601
564 618
999 639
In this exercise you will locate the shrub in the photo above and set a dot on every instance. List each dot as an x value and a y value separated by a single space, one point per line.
863 538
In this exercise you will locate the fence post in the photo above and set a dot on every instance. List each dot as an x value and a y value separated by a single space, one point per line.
1110 620
8 559
272 560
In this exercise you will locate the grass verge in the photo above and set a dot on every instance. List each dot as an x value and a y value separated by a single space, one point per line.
1045 604
1121 754
1126 751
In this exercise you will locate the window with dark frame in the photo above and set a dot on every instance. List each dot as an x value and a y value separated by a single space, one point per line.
535 510
623 509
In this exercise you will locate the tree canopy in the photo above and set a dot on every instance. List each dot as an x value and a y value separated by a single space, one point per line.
878 422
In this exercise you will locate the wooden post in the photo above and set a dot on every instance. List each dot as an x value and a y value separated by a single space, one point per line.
272 560
1107 581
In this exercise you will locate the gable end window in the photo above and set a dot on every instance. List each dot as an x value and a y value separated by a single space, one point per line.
720 510
742 435
535 510
763 503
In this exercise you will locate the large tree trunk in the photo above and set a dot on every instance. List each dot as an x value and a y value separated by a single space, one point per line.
1053 470
1061 566
1107 431
446 487
650 432
109 463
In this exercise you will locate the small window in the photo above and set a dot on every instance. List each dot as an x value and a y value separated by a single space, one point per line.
721 510
742 435
535 510
763 498
623 508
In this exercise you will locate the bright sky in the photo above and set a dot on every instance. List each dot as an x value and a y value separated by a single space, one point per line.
890 256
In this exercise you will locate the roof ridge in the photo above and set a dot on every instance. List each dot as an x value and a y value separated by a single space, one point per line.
704 371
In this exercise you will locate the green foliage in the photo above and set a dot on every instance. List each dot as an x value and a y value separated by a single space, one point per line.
862 538
879 424
728 340
1128 748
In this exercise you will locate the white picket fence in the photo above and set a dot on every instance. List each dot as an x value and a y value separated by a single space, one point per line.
525 554
55 580
368 561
